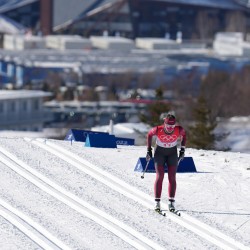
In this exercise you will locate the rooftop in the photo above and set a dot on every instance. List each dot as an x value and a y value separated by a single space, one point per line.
22 94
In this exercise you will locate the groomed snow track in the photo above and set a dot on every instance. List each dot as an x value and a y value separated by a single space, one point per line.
123 231
126 233
31 229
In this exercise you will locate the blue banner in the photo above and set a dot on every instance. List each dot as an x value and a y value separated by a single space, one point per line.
185 166
80 135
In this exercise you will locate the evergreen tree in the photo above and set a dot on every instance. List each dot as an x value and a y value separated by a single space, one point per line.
201 134
155 109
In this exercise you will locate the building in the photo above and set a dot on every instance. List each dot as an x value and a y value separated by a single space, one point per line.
23 110
86 114
175 19
25 12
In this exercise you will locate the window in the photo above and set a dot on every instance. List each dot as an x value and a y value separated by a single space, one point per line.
24 106
36 104
12 107
1 107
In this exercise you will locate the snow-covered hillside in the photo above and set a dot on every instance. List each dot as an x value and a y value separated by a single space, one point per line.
62 195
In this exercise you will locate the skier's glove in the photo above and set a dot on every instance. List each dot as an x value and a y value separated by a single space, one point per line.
149 154
181 154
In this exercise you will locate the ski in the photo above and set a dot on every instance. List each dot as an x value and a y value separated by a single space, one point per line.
160 212
176 212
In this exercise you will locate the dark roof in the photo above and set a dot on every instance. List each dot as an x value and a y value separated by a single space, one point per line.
97 5
67 12
10 26
90 5
75 11
243 2
7 5
223 4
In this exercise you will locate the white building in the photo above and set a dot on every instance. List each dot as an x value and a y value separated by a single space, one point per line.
23 110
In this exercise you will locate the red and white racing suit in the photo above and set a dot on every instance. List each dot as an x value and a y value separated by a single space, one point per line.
166 153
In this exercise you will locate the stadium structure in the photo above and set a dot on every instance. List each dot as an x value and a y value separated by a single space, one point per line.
192 19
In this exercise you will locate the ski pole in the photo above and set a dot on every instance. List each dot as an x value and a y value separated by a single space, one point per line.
142 176
179 160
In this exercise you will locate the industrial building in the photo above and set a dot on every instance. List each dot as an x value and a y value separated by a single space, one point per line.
190 19
23 110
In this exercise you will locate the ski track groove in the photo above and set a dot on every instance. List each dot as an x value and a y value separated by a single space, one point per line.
203 230
31 229
126 233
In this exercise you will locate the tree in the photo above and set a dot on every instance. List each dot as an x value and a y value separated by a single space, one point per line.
227 93
155 109
236 22
207 23
216 89
201 134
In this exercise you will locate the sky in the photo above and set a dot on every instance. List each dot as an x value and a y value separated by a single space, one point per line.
59 194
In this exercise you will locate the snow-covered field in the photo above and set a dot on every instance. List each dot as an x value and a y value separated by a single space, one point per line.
62 195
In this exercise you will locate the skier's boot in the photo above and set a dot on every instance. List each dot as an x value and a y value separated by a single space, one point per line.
157 206
171 203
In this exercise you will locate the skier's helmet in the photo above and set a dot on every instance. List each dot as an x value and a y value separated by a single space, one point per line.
169 123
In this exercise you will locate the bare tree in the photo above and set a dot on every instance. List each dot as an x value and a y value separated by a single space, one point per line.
206 24
236 22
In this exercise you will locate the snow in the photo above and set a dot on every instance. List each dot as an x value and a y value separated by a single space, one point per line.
61 195
237 128
134 131
238 139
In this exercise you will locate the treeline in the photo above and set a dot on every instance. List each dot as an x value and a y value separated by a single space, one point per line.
228 94
219 94
198 100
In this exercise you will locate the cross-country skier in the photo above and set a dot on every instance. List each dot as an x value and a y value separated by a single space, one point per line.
167 136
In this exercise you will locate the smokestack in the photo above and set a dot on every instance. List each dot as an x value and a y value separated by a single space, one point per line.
46 16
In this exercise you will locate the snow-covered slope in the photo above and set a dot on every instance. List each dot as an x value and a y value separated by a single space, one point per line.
62 195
